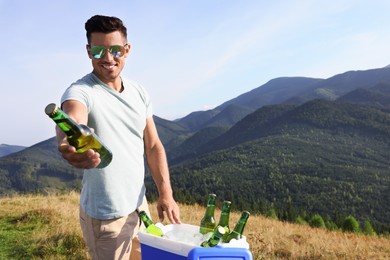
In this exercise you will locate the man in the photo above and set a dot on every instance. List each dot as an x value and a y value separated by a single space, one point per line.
120 113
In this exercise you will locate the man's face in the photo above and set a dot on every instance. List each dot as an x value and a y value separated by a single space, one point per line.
108 67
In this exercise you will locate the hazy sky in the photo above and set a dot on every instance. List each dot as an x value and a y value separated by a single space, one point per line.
189 54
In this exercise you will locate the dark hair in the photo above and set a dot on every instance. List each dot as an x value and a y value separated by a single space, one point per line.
104 24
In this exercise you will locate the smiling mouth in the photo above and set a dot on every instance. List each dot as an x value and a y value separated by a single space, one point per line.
108 66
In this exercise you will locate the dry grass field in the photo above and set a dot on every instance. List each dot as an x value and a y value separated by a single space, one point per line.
46 227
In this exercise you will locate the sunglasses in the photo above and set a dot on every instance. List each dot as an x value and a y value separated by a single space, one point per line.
98 52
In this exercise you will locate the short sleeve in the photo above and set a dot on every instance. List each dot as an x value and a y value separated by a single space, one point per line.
79 93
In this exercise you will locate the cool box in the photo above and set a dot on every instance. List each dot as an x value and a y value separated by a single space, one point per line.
161 248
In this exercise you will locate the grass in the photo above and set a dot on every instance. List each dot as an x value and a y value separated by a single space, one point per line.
47 227
41 227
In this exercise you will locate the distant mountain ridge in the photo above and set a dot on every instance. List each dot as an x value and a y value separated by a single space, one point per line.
275 91
6 149
378 95
291 90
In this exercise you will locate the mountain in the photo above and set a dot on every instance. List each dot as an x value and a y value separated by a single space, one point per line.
171 133
189 148
344 83
6 149
291 90
379 95
37 168
278 119
320 157
275 91
196 120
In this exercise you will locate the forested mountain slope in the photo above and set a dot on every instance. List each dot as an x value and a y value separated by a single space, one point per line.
320 157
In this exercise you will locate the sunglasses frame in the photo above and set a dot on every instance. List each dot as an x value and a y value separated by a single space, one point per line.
103 50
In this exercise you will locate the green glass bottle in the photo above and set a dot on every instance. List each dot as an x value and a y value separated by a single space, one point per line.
224 218
239 228
215 238
151 228
80 136
207 224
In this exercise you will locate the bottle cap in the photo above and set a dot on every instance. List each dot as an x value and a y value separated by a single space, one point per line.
51 109
245 212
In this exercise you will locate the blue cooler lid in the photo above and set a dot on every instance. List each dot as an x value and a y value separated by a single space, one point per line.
219 253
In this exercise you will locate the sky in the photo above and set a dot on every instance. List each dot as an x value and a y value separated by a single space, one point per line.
190 55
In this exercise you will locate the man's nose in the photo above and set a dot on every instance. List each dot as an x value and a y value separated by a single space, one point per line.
108 56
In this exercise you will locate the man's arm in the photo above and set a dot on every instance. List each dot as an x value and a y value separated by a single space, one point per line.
158 165
89 159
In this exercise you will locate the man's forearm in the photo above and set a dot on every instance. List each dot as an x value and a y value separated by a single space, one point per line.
158 165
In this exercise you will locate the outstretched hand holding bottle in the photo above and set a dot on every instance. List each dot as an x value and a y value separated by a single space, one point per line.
76 141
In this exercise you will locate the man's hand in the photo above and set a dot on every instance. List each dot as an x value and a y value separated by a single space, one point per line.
171 209
87 160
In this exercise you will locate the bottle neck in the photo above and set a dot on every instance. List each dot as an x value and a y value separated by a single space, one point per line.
239 228
145 219
224 218
65 123
210 210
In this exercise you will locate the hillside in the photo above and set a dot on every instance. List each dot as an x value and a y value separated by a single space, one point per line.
318 114
47 227
37 168
171 133
379 96
321 157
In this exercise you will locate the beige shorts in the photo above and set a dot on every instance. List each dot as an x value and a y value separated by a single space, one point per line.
113 238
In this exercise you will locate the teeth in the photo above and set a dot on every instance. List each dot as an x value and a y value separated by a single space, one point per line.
108 66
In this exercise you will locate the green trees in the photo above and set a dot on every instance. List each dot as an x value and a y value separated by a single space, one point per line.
330 225
350 224
317 221
368 229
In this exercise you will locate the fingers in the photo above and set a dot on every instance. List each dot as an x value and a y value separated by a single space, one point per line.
87 160
171 210
160 212
176 218
66 148
173 216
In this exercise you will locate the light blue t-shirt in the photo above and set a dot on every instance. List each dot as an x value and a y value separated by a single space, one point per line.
119 119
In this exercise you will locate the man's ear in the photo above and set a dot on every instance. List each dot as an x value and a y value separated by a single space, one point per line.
88 48
127 50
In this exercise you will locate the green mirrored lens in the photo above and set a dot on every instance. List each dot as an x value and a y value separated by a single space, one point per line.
117 51
98 51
